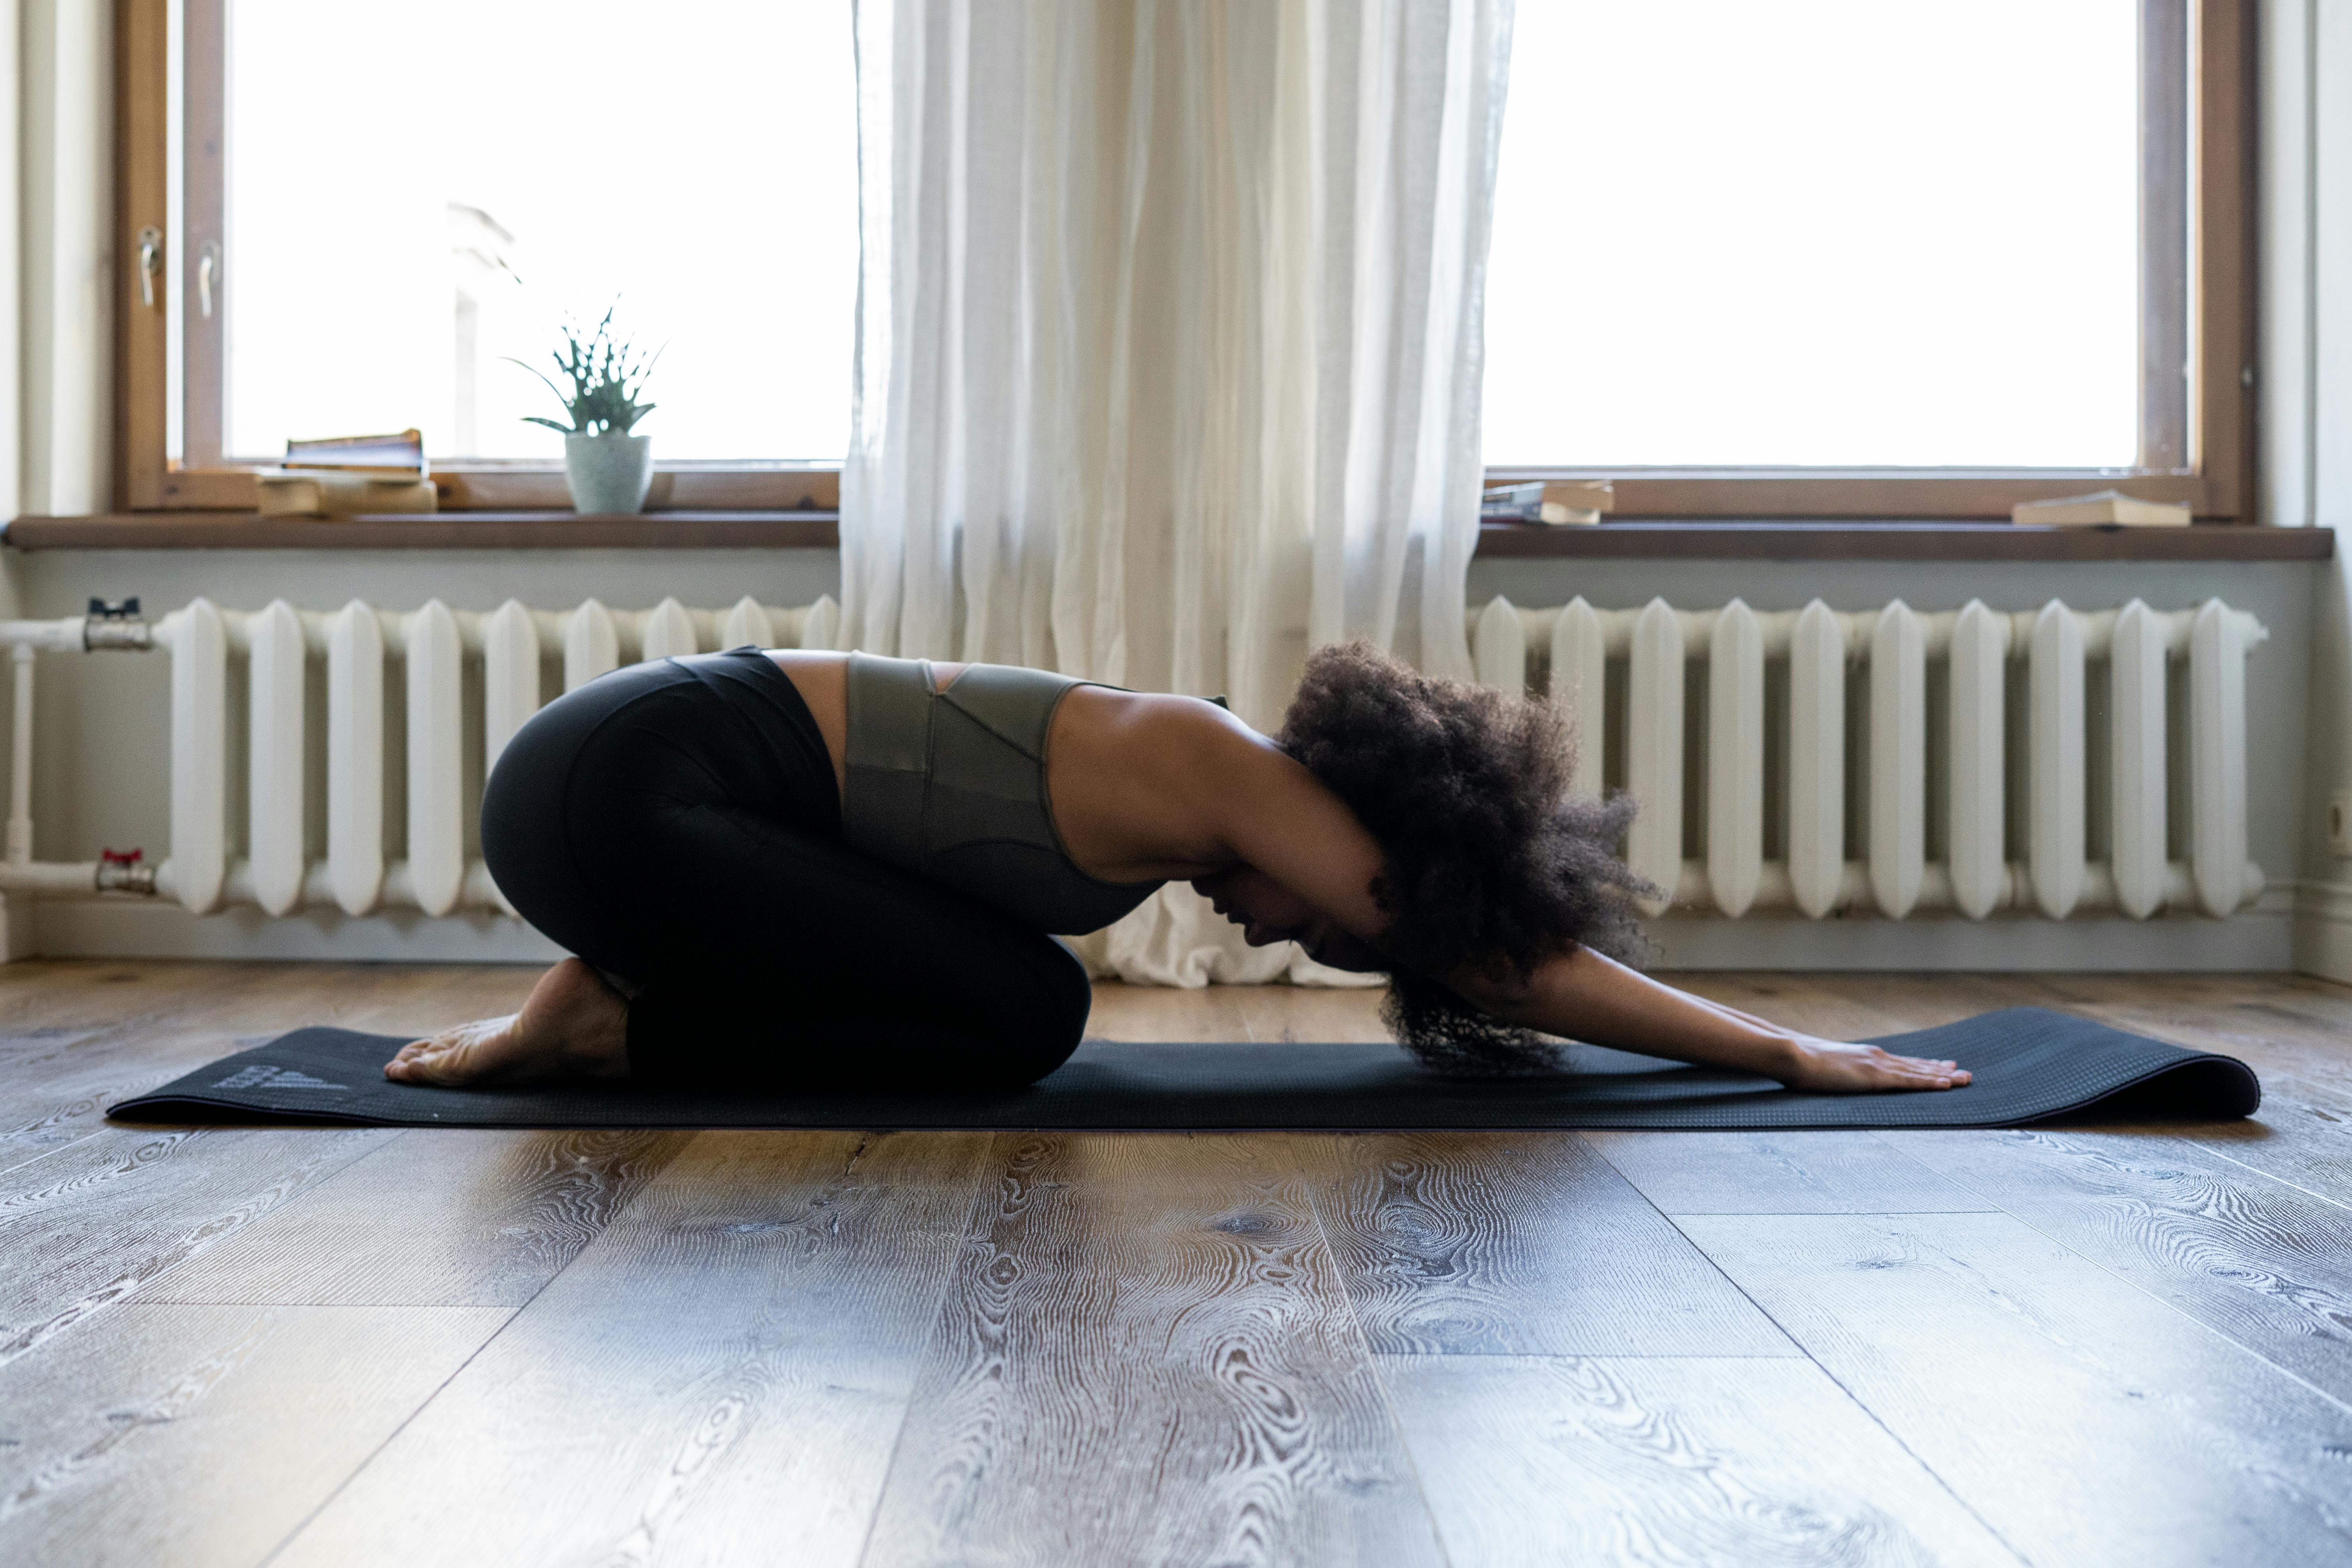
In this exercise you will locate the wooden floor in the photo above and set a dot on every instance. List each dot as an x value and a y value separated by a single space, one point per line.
2125 1345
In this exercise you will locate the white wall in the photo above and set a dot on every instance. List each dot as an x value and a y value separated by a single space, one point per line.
2306 431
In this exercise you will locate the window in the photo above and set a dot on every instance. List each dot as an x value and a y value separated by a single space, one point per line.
1833 259
371 214
1838 256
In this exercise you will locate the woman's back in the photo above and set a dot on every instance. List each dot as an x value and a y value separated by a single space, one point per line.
947 779
1136 784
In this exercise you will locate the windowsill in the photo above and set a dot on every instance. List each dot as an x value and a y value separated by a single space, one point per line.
436 530
1905 541
818 529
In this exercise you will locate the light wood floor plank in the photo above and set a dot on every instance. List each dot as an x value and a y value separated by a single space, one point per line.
2301 1136
2286 1029
1124 1011
2268 1023
1829 1005
49 1103
2266 1264
444 1217
1145 1356
1519 1244
55 1082
1313 1013
2086 1422
161 1001
1779 1173
88 1225
169 1019
1531 1461
2295 1032
58 997
717 1378
201 1436
1159 1348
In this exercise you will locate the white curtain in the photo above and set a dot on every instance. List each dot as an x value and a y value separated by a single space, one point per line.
57 289
1169 350
57 452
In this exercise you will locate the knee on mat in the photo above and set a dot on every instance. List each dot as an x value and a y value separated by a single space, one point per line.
1036 1031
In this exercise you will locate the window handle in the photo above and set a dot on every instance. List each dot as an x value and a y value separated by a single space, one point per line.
209 276
151 263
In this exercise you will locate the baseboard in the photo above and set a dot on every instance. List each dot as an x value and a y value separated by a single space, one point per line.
2258 939
2263 939
111 930
2323 930
2255 942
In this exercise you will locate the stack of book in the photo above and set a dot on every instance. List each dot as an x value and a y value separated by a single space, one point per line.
350 476
2107 509
1548 500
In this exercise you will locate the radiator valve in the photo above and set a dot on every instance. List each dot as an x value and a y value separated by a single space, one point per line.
125 871
116 625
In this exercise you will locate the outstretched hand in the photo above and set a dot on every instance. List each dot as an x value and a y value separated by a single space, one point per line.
1835 1067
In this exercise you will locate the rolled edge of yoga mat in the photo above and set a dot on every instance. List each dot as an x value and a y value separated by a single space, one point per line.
2031 1064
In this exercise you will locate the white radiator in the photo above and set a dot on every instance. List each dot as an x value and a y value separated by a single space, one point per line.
468 681
1886 761
2052 760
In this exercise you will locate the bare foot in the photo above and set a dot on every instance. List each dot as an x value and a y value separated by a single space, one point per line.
1834 1066
571 1026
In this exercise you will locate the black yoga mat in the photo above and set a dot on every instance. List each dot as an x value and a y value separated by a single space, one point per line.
2029 1064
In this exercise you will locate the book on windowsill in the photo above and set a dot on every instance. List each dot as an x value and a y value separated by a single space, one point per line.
2106 509
1548 500
400 455
330 493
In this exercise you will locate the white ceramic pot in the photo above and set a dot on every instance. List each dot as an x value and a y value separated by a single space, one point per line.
608 473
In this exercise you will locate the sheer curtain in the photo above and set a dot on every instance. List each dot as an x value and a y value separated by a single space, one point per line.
56 431
1169 350
58 282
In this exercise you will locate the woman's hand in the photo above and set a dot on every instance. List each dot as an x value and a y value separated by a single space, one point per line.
1834 1067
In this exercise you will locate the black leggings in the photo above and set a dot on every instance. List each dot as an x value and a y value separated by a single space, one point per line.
677 826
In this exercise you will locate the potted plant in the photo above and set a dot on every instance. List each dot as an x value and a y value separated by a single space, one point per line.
607 468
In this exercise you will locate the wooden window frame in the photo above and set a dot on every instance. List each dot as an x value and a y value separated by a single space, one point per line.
2197 298
2197 432
147 476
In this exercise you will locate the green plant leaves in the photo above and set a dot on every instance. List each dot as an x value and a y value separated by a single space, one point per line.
607 376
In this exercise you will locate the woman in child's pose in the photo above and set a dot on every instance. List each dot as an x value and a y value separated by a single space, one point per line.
831 869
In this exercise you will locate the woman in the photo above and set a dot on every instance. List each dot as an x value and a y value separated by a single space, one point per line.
819 869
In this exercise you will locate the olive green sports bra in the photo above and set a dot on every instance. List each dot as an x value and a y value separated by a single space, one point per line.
951 786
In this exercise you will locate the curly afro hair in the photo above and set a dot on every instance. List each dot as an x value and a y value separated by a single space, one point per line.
1490 865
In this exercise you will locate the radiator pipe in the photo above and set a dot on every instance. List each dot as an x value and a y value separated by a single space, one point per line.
20 762
76 879
35 879
106 628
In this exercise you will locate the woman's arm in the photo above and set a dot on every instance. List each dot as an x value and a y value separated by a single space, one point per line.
1582 995
1291 827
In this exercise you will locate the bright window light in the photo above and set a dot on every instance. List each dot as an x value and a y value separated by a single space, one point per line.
415 194
1833 232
